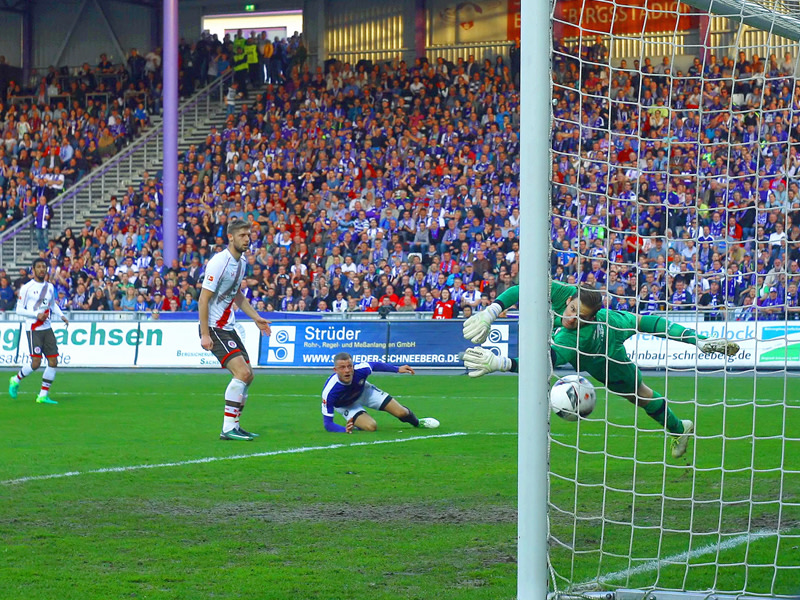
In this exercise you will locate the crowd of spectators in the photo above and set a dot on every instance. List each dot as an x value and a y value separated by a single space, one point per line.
60 124
388 186
369 187
678 188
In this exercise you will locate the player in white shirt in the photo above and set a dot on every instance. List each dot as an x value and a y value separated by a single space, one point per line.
221 290
37 301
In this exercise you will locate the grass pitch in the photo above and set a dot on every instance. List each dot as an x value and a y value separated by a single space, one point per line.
144 515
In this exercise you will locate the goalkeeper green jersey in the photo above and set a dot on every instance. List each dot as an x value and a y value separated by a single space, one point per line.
598 347
596 340
560 293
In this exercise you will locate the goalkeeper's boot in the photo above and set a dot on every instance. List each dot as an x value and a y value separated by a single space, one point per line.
237 435
243 432
719 346
681 441
13 387
428 423
44 399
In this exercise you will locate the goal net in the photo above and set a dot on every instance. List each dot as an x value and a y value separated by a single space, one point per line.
675 171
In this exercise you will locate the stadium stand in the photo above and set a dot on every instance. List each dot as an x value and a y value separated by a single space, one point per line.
373 187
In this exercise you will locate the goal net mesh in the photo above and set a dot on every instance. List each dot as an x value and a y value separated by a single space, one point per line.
675 171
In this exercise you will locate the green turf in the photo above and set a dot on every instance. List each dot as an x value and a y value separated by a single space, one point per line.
414 519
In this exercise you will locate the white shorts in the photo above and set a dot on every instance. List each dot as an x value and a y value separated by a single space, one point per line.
371 397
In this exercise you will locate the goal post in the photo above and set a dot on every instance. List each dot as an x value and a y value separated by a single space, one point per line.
675 190
534 332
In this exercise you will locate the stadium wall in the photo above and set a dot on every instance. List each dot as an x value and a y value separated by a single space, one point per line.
11 39
55 42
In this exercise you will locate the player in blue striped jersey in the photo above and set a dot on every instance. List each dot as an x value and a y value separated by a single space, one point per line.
349 393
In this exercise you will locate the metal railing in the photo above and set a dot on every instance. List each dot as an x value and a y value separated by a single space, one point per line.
121 164
481 50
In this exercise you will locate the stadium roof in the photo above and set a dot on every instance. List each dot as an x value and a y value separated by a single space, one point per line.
781 17
23 6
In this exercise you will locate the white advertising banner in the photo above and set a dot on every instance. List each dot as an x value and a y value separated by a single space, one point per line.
179 345
772 344
124 344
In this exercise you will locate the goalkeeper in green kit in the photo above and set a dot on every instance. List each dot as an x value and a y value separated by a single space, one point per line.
590 338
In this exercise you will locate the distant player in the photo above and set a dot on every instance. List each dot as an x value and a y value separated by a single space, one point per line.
37 301
221 290
594 343
348 393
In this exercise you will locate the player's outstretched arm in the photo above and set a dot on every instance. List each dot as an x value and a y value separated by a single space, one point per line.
332 427
661 327
476 329
382 367
482 361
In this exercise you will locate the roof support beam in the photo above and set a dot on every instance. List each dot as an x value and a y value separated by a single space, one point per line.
111 32
69 33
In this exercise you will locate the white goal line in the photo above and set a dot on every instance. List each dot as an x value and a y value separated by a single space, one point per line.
683 558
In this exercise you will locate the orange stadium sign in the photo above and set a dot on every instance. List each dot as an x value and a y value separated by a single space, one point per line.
572 18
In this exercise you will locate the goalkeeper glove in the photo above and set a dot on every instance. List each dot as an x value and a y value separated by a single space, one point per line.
476 329
480 361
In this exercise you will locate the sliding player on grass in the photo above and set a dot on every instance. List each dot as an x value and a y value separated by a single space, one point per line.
594 342
348 393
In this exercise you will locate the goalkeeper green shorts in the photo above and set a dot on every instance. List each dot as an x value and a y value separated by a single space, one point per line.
617 372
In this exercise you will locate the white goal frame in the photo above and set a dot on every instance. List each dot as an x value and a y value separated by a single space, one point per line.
535 324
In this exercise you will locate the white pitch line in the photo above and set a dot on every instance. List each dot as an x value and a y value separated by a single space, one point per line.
683 557
210 459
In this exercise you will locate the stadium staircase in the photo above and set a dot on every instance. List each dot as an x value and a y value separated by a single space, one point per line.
88 198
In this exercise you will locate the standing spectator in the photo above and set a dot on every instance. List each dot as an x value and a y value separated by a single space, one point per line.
42 223
240 70
515 59
7 300
446 307
136 65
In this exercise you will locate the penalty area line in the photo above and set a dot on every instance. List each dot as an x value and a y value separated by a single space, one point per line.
210 459
683 558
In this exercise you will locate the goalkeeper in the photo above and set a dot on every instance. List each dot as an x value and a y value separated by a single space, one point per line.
596 346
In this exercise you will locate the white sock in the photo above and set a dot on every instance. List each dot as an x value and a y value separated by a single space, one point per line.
26 370
47 379
233 404
244 401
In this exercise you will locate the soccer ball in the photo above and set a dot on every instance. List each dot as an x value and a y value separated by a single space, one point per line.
572 397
